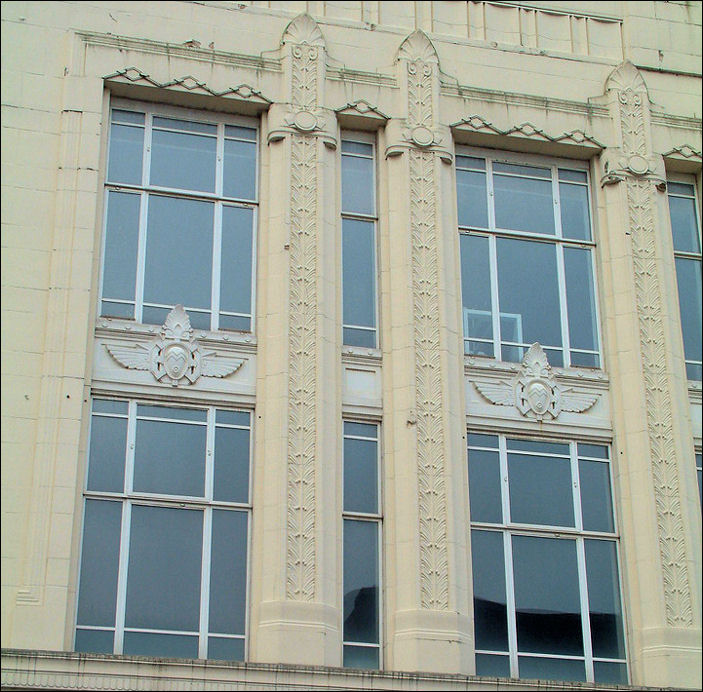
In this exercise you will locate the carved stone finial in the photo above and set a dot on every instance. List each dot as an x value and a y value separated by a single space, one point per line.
534 391
303 30
175 357
625 76
417 46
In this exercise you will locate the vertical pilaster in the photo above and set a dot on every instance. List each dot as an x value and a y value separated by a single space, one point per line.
423 372
296 609
652 420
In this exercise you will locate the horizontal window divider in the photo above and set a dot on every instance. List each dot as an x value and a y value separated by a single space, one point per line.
360 437
361 516
182 194
144 499
569 657
359 216
190 633
226 636
97 628
359 326
550 531
369 645
527 235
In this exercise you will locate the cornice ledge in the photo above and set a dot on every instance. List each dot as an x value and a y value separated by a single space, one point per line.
476 123
360 107
187 84
685 151
190 50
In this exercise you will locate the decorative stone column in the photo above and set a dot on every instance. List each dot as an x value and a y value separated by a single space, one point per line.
295 601
429 624
652 419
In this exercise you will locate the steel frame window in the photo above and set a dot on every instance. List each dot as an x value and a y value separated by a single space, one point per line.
494 344
360 652
360 147
505 661
224 132
110 638
688 255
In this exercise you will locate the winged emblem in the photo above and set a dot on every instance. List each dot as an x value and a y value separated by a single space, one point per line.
175 357
534 391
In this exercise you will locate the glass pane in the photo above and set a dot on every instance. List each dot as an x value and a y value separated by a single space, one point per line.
538 446
241 324
584 360
248 133
478 440
163 583
684 224
236 263
225 649
94 641
108 444
573 176
528 290
187 125
471 199
97 594
160 645
365 657
363 148
688 278
516 169
109 406
121 310
121 239
170 458
228 572
694 371
361 429
596 505
361 338
179 252
595 451
575 216
183 161
171 412
581 299
524 204
540 490
604 599
360 476
357 185
233 417
484 486
476 287
231 482
358 273
120 116
492 666
361 581
239 178
548 609
611 673
551 668
681 189
125 157
470 162
490 609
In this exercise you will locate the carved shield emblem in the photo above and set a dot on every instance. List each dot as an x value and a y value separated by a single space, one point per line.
176 360
538 395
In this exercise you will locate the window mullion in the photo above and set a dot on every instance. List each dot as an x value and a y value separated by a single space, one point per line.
493 262
561 274
510 603
216 267
205 583
585 612
121 600
141 257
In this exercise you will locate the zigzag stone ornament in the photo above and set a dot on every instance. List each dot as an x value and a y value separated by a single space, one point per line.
175 357
535 392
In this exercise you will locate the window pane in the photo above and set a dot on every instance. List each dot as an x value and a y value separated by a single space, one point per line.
225 649
357 185
363 148
538 446
523 204
611 673
596 505
236 263
517 169
121 238
239 169
163 583
575 216
183 161
170 458
478 440
109 406
120 116
688 278
228 572
596 451
684 224
573 176
471 199
361 429
551 668
99 563
179 252
187 125
365 657
470 162
604 599
108 444
476 288
231 482
548 609
581 299
126 151
540 490
191 414
490 609
94 641
360 476
492 666
362 338
528 290
233 417
484 486
361 583
358 273
161 645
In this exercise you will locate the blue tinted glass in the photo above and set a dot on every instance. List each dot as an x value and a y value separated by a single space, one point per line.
160 645
108 445
523 204
121 238
239 169
684 224
611 673
358 273
492 666
94 641
551 668
476 287
360 476
358 185
596 504
581 299
575 215
484 486
471 199
364 657
125 157
225 649
237 260
361 586
183 161
688 278
231 482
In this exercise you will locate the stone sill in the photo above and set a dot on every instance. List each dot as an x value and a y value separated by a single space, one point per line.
56 670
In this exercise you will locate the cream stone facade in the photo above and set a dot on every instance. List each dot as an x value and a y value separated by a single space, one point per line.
612 90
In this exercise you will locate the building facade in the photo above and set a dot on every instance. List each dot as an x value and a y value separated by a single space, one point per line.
351 344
